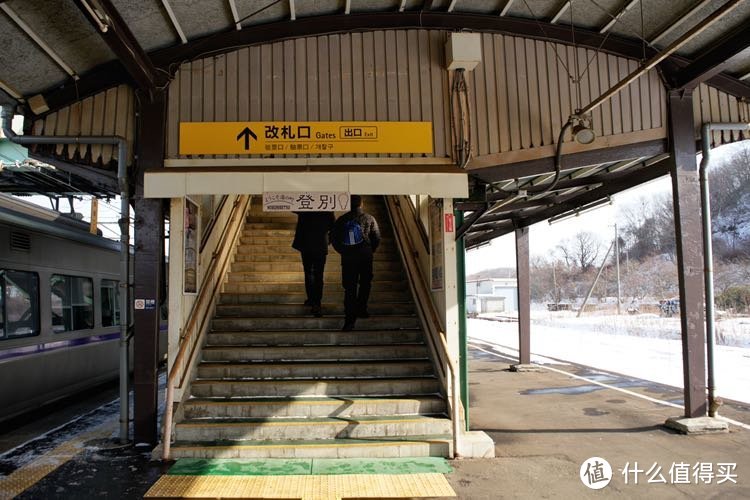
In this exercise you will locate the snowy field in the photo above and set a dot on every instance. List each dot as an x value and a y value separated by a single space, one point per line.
642 346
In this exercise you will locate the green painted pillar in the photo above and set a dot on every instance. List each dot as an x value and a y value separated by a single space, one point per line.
463 348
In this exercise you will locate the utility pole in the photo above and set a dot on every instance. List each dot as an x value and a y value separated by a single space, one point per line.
617 267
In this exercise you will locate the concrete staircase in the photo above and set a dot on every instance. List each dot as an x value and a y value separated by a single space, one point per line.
274 381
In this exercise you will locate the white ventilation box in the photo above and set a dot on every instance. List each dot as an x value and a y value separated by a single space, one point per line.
463 51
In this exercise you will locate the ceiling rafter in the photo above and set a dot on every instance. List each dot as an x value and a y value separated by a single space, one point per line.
175 22
561 12
506 8
102 78
292 10
713 60
38 40
673 25
616 17
235 15
452 5
118 37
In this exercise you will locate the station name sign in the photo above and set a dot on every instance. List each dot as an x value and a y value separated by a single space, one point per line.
304 138
305 201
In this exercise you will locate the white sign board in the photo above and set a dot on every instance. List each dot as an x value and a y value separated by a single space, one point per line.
306 201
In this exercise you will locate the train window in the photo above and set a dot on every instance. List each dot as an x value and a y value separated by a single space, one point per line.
72 303
19 304
110 303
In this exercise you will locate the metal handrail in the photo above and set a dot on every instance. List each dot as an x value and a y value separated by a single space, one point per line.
194 334
427 311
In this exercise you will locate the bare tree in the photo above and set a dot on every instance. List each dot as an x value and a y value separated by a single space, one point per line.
581 250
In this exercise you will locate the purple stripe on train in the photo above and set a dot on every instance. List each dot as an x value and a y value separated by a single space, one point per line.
53 346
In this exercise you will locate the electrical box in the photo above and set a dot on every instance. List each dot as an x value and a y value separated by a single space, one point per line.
463 51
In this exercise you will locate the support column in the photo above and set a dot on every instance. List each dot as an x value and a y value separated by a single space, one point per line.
687 216
524 295
463 347
149 251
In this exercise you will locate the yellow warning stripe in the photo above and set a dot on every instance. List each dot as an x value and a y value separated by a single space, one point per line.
27 476
326 487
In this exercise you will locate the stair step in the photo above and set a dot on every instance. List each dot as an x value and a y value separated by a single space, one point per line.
412 446
298 310
333 265
332 273
312 407
334 290
391 322
286 248
249 254
310 353
311 428
254 238
297 296
410 386
312 337
314 370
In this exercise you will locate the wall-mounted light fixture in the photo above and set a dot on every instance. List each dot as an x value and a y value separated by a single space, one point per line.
582 131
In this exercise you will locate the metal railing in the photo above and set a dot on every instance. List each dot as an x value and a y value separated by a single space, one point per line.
426 309
195 329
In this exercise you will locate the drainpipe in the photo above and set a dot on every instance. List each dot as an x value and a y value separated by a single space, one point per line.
122 155
708 258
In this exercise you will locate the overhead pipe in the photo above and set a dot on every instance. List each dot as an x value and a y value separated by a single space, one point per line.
708 257
122 154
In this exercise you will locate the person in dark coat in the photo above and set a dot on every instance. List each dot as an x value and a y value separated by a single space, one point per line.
356 237
311 238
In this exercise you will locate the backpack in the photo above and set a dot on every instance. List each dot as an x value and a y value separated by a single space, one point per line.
352 234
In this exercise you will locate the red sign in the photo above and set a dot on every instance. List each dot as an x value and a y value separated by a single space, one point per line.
448 223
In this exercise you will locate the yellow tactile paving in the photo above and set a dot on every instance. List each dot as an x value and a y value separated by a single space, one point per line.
22 479
331 487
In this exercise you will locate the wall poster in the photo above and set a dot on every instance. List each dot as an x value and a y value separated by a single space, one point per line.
437 259
191 217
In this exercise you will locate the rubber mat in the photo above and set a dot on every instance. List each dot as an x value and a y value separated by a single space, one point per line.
309 487
320 466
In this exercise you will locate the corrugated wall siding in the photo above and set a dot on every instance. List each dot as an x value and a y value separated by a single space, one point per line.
712 105
520 95
111 112
393 75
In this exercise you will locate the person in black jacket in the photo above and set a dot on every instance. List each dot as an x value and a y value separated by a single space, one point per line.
356 237
311 238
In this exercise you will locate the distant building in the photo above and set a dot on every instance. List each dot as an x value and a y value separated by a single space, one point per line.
494 290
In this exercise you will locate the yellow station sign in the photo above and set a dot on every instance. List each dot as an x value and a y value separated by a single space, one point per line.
303 138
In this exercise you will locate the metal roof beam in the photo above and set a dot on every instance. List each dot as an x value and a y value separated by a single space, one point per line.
10 91
452 5
574 201
117 35
546 165
292 10
713 60
102 180
675 24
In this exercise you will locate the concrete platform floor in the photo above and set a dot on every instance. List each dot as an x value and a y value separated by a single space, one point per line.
545 425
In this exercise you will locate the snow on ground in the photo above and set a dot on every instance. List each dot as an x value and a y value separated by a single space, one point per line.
631 345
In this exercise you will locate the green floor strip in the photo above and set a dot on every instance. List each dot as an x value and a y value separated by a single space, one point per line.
310 466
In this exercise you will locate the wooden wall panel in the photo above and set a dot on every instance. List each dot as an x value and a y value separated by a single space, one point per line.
111 112
521 94
714 106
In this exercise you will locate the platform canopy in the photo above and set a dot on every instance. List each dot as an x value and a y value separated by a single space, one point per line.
58 52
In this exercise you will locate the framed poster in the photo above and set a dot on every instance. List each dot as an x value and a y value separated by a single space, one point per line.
191 218
437 259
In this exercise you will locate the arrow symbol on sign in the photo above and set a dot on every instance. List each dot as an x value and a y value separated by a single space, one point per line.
247 133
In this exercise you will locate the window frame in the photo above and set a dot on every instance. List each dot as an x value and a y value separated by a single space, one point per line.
4 305
93 305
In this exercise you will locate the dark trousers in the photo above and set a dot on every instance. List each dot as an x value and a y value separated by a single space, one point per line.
356 276
314 264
